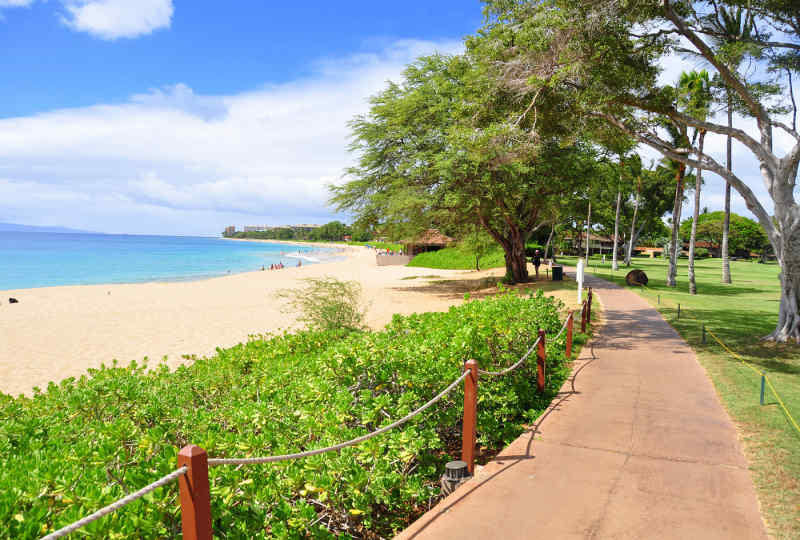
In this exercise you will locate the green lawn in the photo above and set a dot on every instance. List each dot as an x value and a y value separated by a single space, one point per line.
454 258
739 314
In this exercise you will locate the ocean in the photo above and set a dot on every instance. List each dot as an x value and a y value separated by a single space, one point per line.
35 259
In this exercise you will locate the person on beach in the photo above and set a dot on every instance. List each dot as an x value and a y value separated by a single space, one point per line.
299 264
537 261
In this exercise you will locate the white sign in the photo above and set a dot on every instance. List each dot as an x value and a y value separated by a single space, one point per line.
579 277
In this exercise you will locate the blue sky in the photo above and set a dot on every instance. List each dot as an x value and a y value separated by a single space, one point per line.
212 47
178 117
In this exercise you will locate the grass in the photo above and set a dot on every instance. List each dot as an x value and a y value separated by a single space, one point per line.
455 258
739 314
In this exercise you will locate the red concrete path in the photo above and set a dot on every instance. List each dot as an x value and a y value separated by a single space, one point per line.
636 446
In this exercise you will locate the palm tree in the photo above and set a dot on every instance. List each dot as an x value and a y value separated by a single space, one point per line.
680 139
628 163
732 31
696 100
629 254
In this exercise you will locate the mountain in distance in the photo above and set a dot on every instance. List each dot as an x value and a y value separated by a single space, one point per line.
15 227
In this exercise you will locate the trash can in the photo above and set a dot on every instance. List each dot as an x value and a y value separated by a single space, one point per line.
558 272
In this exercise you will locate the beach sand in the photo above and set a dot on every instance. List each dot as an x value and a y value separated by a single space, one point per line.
60 332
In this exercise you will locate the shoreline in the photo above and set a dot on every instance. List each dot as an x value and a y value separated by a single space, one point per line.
184 279
61 331
337 245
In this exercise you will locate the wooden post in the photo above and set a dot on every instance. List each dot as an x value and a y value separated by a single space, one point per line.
540 359
195 494
570 324
583 318
470 419
589 307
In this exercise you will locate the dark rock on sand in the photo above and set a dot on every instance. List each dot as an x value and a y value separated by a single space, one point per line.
13 301
636 278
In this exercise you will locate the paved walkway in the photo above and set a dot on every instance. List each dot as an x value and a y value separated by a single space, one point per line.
636 446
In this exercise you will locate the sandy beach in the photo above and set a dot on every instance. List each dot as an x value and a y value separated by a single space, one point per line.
59 332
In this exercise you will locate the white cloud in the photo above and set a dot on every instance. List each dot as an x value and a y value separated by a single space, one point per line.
15 3
112 19
171 160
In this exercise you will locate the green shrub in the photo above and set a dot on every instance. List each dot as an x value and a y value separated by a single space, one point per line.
328 304
700 253
84 443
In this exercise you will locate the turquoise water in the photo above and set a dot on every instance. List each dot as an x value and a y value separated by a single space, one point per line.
32 259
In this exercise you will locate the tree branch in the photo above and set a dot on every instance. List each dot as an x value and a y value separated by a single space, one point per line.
706 163
787 129
682 118
790 161
753 104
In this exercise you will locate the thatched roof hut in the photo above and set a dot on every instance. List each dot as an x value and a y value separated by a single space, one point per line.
430 240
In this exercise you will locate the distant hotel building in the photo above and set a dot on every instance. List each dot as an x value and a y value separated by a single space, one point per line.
305 227
230 231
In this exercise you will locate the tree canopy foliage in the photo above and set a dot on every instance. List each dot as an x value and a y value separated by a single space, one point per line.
509 135
606 54
745 234
438 149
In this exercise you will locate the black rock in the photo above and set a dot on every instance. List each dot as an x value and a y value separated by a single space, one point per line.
636 278
13 301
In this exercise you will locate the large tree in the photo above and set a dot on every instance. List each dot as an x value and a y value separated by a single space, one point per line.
439 149
608 55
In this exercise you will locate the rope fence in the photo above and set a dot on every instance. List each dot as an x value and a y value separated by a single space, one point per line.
193 461
113 507
765 380
521 361
334 448
511 368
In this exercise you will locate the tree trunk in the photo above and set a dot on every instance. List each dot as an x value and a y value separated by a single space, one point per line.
695 216
672 270
633 223
726 222
516 263
549 239
588 231
788 255
785 241
614 265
